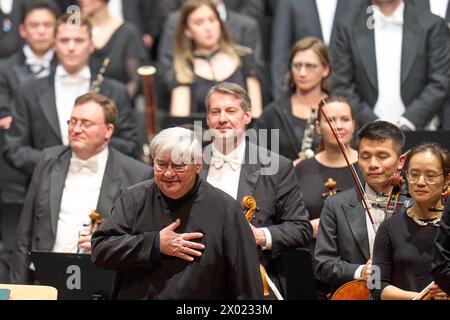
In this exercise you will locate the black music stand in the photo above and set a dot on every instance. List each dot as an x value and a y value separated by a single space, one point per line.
73 275
298 269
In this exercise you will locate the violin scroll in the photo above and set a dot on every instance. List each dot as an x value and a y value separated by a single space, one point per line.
249 204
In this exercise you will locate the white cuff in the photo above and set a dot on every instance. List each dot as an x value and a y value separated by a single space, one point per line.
268 245
405 122
358 271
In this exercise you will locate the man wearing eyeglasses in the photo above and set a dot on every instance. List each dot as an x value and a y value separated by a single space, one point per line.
70 182
346 235
177 237
43 106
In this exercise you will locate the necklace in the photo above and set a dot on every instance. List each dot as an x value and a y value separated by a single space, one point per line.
420 222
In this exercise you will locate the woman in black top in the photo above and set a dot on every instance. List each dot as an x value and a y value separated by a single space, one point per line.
295 111
329 161
117 40
404 242
205 55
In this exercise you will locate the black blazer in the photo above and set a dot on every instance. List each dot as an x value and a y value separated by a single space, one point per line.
425 64
11 41
39 219
441 252
13 74
280 206
294 20
36 125
342 242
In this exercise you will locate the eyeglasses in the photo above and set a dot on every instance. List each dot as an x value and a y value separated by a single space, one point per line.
414 177
83 123
162 167
308 66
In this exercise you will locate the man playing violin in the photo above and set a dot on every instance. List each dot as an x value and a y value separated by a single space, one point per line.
346 231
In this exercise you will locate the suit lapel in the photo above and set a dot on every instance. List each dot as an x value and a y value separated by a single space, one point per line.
58 178
22 72
110 185
249 172
47 103
315 17
341 9
411 37
365 41
356 218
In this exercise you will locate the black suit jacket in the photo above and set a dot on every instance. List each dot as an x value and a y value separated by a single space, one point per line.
280 206
11 41
425 64
441 252
36 125
13 74
342 242
294 20
39 219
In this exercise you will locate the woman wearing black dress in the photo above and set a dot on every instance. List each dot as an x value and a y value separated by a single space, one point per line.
204 55
308 80
117 40
404 242
329 161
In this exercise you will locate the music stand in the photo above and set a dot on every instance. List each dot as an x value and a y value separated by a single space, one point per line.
300 283
73 275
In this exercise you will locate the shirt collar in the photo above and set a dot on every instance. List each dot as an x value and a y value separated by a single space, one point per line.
396 18
84 74
101 157
32 59
237 153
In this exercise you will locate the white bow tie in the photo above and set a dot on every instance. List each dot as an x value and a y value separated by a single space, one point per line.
77 164
219 159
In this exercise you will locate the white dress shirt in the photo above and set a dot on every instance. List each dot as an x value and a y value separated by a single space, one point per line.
224 173
67 89
388 50
225 170
79 198
115 8
378 216
439 7
327 11
6 6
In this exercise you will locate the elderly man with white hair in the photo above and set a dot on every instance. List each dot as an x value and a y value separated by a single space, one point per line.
176 236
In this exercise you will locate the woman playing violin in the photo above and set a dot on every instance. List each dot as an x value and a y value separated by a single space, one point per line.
404 242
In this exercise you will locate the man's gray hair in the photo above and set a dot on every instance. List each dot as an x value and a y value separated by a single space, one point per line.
182 144
231 89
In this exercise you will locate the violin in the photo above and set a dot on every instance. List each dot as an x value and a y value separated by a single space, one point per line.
96 221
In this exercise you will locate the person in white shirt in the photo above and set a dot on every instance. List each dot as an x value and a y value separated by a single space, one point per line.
72 181
238 167
392 62
48 102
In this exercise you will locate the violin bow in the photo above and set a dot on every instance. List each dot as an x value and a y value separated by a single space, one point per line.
332 125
